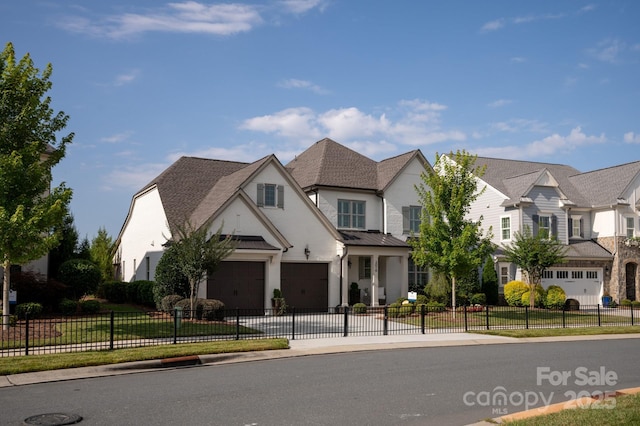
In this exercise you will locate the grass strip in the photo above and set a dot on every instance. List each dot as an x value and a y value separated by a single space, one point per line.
32 363
551 332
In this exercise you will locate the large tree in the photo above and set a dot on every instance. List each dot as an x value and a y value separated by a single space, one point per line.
533 254
198 253
449 242
30 210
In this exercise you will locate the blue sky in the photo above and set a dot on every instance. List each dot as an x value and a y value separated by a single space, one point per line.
145 82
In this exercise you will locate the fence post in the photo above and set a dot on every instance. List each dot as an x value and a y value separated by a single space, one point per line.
175 325
385 322
466 324
631 314
564 320
346 322
422 316
486 315
111 329
599 323
237 323
293 323
526 316
26 332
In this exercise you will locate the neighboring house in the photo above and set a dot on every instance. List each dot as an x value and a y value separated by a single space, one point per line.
329 218
595 214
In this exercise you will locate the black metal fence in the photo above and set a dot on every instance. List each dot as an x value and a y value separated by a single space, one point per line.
114 330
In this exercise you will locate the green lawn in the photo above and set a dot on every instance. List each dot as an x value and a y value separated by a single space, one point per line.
25 364
626 411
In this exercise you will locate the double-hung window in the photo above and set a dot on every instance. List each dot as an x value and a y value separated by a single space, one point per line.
630 227
575 227
505 228
364 267
411 217
351 214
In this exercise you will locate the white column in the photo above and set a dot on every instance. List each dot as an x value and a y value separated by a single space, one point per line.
404 279
374 281
345 281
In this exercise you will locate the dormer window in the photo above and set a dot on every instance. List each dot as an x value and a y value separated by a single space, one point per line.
576 227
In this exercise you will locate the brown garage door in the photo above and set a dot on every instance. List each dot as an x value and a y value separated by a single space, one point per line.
238 285
306 285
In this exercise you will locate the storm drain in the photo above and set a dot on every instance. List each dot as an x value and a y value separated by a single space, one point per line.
53 419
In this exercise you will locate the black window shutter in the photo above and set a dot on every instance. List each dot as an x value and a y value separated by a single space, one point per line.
260 195
581 228
554 226
536 218
571 227
280 196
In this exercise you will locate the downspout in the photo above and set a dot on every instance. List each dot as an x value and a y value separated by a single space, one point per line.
384 212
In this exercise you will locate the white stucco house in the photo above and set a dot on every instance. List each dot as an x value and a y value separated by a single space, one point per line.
329 218
595 214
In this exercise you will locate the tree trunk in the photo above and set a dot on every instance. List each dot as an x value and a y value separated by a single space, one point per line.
5 294
453 295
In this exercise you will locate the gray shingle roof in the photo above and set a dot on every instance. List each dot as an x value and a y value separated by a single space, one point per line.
587 249
327 163
603 187
371 239
513 177
184 184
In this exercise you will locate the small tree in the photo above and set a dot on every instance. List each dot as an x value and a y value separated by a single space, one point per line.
197 253
29 210
81 276
490 282
169 279
67 247
449 242
533 254
101 251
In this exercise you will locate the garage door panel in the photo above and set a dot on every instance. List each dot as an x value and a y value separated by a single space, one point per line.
238 285
306 285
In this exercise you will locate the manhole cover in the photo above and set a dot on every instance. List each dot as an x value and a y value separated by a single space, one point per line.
53 419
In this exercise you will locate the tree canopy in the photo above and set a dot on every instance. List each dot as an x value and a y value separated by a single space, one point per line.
449 242
534 254
198 253
101 251
30 211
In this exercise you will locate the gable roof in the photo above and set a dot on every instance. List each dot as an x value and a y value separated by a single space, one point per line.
605 186
330 164
514 178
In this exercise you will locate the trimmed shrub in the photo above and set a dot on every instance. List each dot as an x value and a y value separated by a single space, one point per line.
635 303
68 307
513 292
555 297
435 307
90 306
397 310
478 299
212 309
32 287
625 302
359 308
141 293
422 299
31 308
82 276
539 297
12 319
114 291
168 303
169 278
438 289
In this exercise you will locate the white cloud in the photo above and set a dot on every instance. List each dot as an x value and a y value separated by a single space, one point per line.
118 137
608 50
546 147
293 83
414 122
133 177
493 25
190 17
631 137
302 6
518 125
185 17
499 103
126 78
518 59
